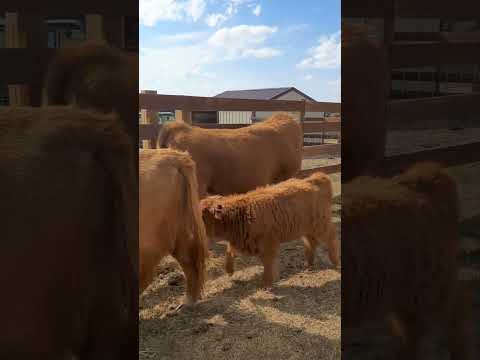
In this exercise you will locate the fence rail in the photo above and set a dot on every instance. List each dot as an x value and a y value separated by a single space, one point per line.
428 49
312 127
460 9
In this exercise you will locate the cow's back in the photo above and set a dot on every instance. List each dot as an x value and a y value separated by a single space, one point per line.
66 276
238 160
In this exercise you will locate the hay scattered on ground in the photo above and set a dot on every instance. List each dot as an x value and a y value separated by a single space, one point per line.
299 319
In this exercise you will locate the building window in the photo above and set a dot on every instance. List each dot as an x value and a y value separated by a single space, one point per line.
397 75
426 76
166 116
4 98
65 32
204 117
411 76
2 32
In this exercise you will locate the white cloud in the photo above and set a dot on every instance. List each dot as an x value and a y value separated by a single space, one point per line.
176 38
189 68
153 11
262 53
308 77
257 10
213 20
195 8
241 35
243 41
297 27
232 8
326 55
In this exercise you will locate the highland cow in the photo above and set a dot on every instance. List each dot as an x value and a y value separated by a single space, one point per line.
239 160
170 218
68 249
255 223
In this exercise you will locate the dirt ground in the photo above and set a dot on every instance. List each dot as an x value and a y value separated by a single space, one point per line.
299 319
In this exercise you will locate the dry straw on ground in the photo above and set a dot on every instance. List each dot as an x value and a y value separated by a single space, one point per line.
299 319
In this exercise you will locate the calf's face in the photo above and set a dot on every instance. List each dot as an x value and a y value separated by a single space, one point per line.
212 214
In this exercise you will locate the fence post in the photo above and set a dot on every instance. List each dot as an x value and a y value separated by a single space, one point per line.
302 120
94 28
183 115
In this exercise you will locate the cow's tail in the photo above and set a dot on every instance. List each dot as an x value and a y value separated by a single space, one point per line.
199 248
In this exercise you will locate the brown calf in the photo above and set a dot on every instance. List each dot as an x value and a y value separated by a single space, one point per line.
400 240
257 222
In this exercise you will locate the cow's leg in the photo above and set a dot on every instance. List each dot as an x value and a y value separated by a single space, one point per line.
229 259
276 268
193 278
332 243
410 331
148 262
270 268
329 238
309 247
458 329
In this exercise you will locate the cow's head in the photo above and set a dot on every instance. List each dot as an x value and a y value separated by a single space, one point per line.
212 214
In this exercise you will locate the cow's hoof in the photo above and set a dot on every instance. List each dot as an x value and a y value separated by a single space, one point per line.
307 265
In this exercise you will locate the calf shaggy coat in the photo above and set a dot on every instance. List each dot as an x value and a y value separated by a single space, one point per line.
400 240
257 222
68 249
170 217
236 161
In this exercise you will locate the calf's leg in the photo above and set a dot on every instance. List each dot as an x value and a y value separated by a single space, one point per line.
271 271
309 247
229 259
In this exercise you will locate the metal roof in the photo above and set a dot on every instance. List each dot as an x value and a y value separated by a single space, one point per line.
260 94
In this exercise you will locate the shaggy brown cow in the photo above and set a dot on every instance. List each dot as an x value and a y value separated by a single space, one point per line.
236 161
400 240
68 249
257 222
364 96
170 217
96 76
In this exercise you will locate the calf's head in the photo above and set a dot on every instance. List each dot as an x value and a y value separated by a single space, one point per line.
213 213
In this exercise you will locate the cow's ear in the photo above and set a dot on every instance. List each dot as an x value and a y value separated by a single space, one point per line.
218 211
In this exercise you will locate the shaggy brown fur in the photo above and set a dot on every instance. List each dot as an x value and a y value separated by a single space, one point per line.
364 96
400 240
236 161
170 217
99 77
257 222
68 249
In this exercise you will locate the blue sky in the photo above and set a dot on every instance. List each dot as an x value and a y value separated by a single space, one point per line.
204 47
